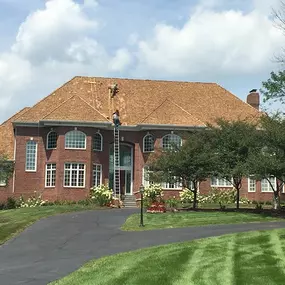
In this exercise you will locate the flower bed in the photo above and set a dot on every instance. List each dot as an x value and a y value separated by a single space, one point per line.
156 207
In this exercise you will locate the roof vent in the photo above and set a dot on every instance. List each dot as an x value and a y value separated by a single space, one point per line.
253 98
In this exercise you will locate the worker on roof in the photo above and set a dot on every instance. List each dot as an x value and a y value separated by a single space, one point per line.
116 118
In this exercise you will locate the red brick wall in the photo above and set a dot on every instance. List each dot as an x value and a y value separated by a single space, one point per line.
28 182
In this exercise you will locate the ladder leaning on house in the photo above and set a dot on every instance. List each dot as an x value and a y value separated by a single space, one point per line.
116 190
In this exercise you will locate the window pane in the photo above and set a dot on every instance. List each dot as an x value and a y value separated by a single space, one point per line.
52 140
97 142
170 142
31 153
97 172
74 175
148 143
75 139
50 174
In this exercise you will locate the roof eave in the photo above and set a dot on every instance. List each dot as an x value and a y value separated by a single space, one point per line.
168 127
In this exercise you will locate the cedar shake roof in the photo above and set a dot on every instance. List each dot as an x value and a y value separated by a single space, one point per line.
7 135
140 102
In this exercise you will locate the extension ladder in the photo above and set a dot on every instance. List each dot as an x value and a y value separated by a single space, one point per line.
116 189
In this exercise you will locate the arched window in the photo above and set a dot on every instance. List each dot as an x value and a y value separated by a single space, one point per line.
51 140
171 141
148 143
75 140
98 142
31 156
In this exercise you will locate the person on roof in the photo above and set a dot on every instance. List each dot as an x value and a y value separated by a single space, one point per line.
116 118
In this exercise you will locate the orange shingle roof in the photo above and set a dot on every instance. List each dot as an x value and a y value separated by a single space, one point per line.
7 135
140 101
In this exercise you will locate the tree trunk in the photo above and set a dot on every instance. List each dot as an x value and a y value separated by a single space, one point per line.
195 200
237 198
276 201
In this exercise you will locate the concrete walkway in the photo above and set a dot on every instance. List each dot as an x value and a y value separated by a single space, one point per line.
56 246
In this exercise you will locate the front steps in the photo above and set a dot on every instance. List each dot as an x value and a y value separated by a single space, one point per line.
130 202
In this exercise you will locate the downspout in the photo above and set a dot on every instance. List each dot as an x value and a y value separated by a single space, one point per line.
14 172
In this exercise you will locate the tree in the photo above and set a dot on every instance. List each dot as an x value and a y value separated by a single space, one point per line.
232 144
192 163
274 88
6 168
268 159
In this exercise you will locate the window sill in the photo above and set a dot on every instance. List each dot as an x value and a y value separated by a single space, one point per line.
75 187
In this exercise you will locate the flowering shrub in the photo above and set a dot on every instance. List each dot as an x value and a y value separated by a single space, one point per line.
222 197
153 192
187 196
102 195
244 201
156 207
33 201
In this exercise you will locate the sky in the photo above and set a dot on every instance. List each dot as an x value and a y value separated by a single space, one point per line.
44 43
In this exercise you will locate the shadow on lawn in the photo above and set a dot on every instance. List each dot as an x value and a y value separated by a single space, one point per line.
262 212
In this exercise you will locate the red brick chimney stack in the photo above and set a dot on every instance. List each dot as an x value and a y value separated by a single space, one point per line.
253 98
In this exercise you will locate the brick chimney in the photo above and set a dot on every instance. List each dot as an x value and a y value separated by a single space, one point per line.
253 98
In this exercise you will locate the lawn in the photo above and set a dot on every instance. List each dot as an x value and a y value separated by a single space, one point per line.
188 219
14 221
243 258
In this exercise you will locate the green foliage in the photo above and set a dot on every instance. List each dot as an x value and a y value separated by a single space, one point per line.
274 88
172 202
101 195
153 192
11 203
221 197
186 196
232 144
6 168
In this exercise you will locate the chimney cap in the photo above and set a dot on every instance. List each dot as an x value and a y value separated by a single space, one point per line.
253 91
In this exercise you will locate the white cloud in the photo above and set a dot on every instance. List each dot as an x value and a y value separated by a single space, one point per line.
121 60
220 41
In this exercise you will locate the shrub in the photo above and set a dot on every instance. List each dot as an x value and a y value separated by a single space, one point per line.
221 197
156 207
187 196
244 201
172 202
33 201
153 192
101 195
11 203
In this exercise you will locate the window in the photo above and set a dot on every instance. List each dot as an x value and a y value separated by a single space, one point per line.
174 184
75 140
97 174
50 175
145 177
251 184
51 140
169 142
31 156
98 142
220 182
265 186
148 143
74 175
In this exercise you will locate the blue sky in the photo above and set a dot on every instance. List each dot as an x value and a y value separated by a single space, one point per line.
45 43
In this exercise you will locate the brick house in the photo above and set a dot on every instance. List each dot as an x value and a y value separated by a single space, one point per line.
63 145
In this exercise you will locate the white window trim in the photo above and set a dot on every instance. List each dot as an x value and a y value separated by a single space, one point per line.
72 148
46 174
84 181
169 135
220 185
3 183
269 187
48 139
148 151
101 174
36 158
101 147
248 185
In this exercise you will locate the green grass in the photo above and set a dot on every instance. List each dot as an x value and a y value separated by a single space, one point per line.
14 221
239 259
188 219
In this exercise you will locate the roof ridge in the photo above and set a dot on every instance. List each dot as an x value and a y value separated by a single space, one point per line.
58 106
92 107
154 109
187 112
16 115
57 89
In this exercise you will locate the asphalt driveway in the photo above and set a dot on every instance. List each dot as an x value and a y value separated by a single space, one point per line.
56 246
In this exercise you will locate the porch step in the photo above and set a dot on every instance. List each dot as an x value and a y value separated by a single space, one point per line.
130 202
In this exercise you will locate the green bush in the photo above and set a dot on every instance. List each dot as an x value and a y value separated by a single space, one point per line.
172 202
153 192
11 203
187 196
101 195
33 201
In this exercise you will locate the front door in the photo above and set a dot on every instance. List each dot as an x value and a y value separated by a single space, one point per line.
126 168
